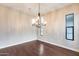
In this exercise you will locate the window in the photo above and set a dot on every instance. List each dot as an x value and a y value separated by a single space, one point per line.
70 26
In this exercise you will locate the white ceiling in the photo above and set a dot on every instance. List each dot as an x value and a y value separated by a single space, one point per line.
32 8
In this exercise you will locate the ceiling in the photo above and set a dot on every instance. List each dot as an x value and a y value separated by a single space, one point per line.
33 8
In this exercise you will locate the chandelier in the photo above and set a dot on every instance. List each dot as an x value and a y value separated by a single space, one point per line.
39 22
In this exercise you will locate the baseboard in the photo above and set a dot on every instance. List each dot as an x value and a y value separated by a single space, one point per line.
18 43
60 45
42 41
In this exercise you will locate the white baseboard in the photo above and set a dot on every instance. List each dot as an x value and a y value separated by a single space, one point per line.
16 44
60 45
43 41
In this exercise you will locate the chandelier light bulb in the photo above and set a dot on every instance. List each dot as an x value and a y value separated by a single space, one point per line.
33 21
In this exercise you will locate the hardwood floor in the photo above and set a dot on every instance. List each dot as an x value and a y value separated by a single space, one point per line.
36 48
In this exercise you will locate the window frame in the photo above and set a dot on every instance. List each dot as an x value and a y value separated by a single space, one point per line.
69 27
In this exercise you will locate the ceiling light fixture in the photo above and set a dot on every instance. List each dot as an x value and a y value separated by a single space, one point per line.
39 22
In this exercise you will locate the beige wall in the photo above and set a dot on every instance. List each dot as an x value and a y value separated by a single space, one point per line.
15 27
56 27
